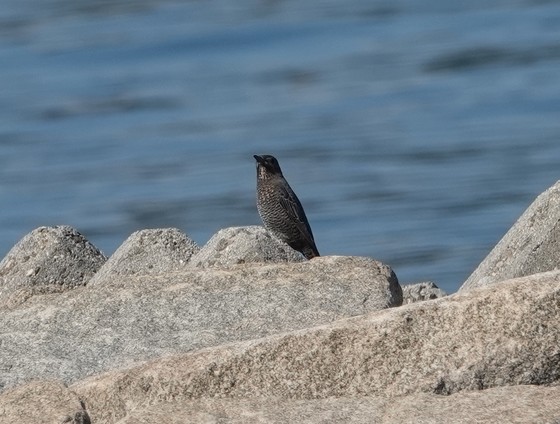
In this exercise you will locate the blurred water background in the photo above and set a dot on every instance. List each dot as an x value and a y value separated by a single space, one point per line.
413 132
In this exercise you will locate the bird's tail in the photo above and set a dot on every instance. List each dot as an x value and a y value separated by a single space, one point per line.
310 252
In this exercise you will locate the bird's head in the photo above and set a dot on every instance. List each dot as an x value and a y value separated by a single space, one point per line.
267 166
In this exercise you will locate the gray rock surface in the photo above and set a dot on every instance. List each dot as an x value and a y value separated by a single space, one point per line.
42 402
148 252
531 246
419 292
512 405
250 334
239 245
521 404
504 335
47 260
132 318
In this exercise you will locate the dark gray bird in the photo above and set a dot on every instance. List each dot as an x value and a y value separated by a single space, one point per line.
280 209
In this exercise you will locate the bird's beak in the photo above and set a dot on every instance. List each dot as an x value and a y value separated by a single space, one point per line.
259 159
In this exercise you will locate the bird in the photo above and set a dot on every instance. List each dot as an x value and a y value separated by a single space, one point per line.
280 209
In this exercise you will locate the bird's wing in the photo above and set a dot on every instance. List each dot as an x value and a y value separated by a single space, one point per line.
292 206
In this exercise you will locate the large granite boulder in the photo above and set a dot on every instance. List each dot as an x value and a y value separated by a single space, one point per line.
47 260
239 245
42 402
506 335
531 246
123 319
50 402
249 334
148 252
519 404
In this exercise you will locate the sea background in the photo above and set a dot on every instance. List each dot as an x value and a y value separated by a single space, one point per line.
413 132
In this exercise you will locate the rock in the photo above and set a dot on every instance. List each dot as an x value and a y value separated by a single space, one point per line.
529 247
134 318
148 252
239 245
40 402
421 291
519 404
512 405
504 335
47 260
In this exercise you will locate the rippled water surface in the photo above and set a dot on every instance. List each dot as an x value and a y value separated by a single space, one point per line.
413 132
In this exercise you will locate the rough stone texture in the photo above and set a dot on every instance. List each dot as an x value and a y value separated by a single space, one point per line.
504 335
531 246
39 402
419 292
107 326
520 404
148 252
47 402
47 260
238 245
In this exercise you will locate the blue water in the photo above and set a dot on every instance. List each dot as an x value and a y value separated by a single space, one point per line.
413 132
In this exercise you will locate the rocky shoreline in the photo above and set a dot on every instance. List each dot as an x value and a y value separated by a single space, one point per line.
244 330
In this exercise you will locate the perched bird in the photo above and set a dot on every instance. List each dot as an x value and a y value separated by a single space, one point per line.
280 209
